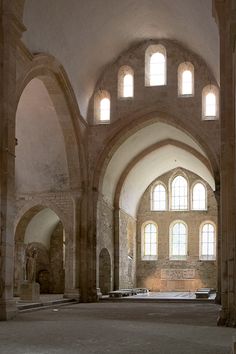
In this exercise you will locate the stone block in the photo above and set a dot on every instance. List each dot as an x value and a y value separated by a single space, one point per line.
29 291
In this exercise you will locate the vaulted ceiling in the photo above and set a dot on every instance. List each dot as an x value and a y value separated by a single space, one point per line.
86 35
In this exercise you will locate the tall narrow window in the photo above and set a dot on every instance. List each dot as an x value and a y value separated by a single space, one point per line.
207 242
155 65
210 103
199 197
149 242
186 79
125 82
179 193
102 107
157 69
128 86
187 82
159 197
178 241
105 109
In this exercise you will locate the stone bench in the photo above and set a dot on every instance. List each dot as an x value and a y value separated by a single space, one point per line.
128 292
203 293
121 293
141 291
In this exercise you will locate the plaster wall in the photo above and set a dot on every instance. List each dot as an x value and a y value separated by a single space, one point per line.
41 163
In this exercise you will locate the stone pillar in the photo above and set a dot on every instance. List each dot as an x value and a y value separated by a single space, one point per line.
88 243
10 33
72 255
19 266
224 16
116 248
219 242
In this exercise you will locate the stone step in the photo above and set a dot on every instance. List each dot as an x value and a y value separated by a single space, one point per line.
26 307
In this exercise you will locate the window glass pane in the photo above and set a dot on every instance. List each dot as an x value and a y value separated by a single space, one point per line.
208 241
179 240
150 240
153 228
128 86
211 249
210 105
148 228
187 83
175 250
182 239
182 249
159 198
147 250
153 249
179 193
204 249
147 238
199 197
157 69
105 109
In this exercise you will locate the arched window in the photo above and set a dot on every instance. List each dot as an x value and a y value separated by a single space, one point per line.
125 82
179 193
199 197
178 241
149 241
158 197
186 79
155 65
210 102
102 107
207 242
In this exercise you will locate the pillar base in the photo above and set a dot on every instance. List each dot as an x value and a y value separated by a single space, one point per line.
72 294
8 310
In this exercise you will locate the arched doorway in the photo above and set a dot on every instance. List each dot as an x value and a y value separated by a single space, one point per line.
41 230
104 271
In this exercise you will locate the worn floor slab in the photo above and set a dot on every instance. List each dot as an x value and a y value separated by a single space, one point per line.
129 328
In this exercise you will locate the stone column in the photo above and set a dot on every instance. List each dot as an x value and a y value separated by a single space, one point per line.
116 248
89 245
72 253
10 33
224 16
218 249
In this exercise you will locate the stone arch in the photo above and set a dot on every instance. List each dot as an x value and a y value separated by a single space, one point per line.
53 76
105 271
27 237
120 133
198 149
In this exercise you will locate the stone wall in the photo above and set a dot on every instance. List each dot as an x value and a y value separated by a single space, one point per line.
167 275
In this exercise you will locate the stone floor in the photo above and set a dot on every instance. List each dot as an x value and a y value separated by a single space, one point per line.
130 328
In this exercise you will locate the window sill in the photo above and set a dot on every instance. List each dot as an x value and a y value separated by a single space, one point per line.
149 258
